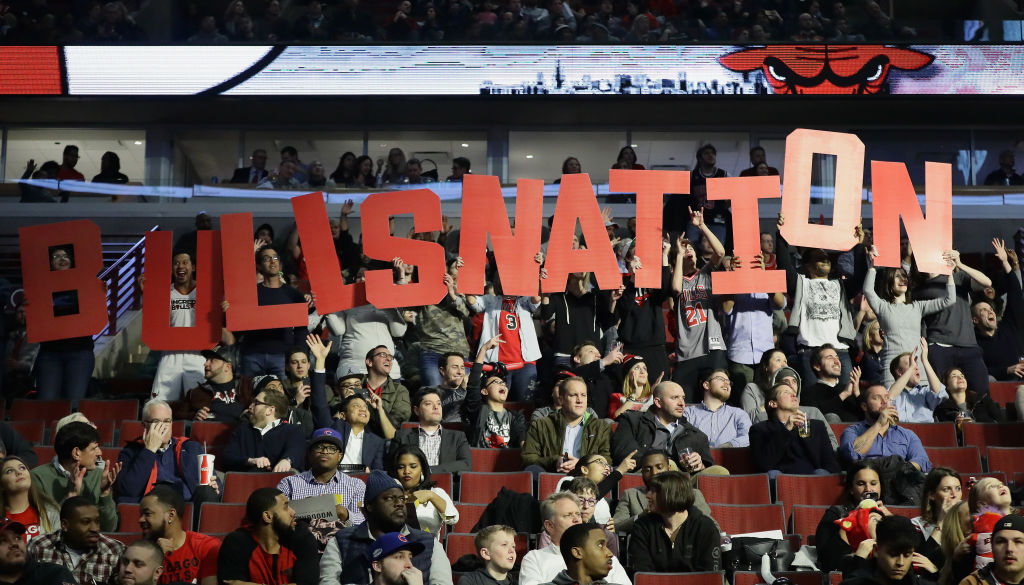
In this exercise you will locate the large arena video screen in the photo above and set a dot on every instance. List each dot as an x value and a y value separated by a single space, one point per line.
489 70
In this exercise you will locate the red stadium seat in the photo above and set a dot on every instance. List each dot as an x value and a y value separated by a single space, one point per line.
704 578
215 517
443 481
129 514
737 460
806 519
469 515
125 538
796 577
104 427
239 485
45 410
905 511
811 490
121 409
410 425
994 434
547 484
1018 478
496 459
1002 392
480 488
740 519
838 428
132 429
211 433
630 480
1005 459
835 578
934 434
735 489
962 459
30 430
45 453
526 408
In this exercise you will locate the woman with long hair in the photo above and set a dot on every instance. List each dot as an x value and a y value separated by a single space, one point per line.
963 404
346 170
394 169
636 388
957 549
363 173
834 548
753 398
24 502
870 359
433 507
941 491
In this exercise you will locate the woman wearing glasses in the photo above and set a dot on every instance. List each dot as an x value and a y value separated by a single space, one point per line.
432 506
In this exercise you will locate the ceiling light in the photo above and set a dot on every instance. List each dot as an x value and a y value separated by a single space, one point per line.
465 145
138 143
529 156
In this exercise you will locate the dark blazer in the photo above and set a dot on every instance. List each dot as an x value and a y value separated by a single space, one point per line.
373 445
775 447
245 442
636 431
454 455
241 175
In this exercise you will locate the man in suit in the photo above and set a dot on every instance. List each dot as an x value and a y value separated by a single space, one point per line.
447 450
255 172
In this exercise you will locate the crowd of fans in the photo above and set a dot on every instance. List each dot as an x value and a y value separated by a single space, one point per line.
588 384
432 21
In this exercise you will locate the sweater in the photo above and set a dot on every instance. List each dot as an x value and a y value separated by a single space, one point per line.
952 325
363 328
279 339
54 481
577 319
775 447
695 547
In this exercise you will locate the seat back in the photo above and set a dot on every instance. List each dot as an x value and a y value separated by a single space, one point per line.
795 577
469 515
547 483
941 434
238 486
211 433
742 518
738 460
481 488
702 578
220 517
1005 458
962 459
994 434
735 489
104 427
1003 391
30 430
496 459
812 490
806 520
44 410
119 409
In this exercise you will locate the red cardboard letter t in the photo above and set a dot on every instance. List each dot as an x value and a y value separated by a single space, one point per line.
650 188
425 207
801 145
41 282
576 201
746 234
893 197
157 332
483 214
245 313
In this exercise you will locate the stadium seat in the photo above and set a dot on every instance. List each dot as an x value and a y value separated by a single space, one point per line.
838 428
44 453
469 515
410 425
1018 478
741 519
121 409
835 578
129 514
547 484
963 459
125 538
812 490
994 435
526 408
30 430
737 460
496 459
443 481
458 544
905 511
44 410
211 433
480 488
239 485
132 429
703 578
735 489
104 427
1002 392
934 434
1006 459
216 517
795 577
806 519
630 480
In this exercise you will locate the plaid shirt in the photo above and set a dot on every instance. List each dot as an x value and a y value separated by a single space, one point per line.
431 444
304 485
95 566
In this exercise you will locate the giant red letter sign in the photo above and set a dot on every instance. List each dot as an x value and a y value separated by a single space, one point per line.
332 294
425 207
41 282
576 201
483 214
650 188
746 235
893 197
245 313
801 145
157 332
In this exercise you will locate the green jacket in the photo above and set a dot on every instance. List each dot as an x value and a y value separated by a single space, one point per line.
546 436
55 482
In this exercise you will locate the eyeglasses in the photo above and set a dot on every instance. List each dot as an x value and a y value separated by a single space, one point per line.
498 381
326 448
271 259
382 354
721 379
259 402
588 502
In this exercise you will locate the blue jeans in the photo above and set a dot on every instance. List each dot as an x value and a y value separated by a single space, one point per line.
430 375
64 374
521 383
257 363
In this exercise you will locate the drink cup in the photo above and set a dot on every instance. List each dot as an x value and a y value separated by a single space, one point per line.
804 430
206 468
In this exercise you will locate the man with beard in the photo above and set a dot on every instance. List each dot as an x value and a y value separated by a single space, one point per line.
1007 566
826 394
179 371
189 556
725 425
222 397
452 367
880 435
141 564
347 557
15 566
588 560
391 561
78 545
268 548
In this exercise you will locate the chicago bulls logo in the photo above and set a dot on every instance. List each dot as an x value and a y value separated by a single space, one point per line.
826 69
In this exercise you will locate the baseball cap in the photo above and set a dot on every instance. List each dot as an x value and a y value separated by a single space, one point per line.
1009 522
346 372
217 353
326 435
8 524
261 382
390 543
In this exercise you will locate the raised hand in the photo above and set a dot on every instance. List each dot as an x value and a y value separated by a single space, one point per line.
696 217
1000 248
317 348
780 220
347 207
110 471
